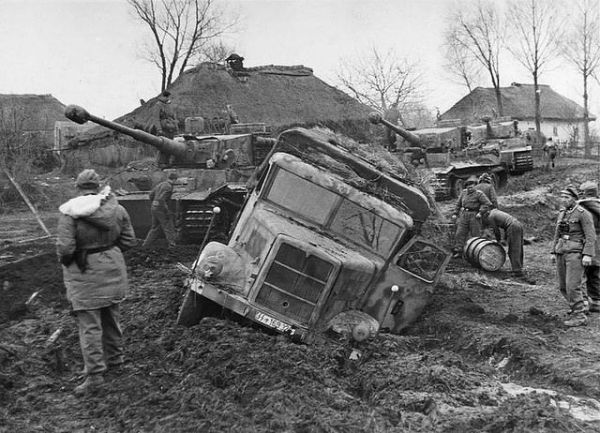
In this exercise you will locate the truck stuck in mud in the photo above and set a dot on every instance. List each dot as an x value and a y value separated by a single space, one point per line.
326 248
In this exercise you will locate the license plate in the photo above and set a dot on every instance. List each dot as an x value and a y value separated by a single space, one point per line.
272 322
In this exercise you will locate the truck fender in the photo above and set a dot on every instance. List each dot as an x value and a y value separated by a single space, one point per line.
219 264
354 324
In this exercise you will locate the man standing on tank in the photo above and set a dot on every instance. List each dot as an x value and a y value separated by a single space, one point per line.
572 250
93 230
467 214
392 115
167 122
162 220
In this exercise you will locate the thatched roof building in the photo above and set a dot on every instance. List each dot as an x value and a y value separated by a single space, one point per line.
31 114
278 96
518 103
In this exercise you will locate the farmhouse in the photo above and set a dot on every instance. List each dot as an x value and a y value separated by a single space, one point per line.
278 96
562 118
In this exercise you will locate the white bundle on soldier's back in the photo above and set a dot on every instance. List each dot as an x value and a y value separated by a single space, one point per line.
84 205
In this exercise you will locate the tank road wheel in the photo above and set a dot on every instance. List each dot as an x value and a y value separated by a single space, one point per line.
457 186
194 308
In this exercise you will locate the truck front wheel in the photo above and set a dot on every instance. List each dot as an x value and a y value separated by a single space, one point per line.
194 308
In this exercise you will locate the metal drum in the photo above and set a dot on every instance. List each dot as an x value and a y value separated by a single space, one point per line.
485 254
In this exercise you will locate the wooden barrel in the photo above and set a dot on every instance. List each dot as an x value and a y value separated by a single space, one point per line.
485 254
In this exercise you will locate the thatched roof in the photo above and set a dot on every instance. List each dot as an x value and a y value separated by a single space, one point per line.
31 113
518 103
279 96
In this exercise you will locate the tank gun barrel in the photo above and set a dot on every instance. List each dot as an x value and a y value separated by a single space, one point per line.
376 118
80 115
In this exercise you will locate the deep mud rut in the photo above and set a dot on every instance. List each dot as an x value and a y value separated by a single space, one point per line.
490 354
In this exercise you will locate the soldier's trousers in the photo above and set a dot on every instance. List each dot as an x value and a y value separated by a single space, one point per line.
467 225
570 276
514 240
592 284
100 338
161 223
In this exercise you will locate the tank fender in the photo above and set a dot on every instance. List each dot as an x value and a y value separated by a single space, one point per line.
221 266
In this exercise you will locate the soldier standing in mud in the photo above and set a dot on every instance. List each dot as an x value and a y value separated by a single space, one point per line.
550 152
572 250
467 214
588 198
486 187
162 221
93 230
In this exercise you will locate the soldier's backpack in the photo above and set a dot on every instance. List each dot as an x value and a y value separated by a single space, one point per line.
592 205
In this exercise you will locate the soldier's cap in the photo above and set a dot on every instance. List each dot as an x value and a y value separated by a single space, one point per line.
570 191
588 188
172 176
472 180
88 179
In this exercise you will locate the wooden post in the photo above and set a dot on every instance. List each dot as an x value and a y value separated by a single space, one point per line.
35 212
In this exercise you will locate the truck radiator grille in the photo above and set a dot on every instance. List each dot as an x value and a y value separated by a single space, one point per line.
294 283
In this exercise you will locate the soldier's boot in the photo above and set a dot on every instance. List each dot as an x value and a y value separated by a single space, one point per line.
576 319
91 382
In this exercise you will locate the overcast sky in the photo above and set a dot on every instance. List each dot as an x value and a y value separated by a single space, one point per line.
86 52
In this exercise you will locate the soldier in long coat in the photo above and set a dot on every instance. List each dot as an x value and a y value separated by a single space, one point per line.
93 230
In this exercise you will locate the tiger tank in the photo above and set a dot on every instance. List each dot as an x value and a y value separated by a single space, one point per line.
449 155
212 171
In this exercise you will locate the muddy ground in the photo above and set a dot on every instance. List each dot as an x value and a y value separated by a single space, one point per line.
490 354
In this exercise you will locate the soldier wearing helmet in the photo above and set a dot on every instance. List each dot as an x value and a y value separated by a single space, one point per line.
467 214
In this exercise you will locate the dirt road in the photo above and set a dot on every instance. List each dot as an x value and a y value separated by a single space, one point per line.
490 354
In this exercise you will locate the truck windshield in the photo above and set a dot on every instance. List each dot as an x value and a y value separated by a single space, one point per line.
334 212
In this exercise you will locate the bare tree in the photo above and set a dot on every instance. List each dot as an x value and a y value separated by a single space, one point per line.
478 32
536 29
379 80
581 47
180 30
461 65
